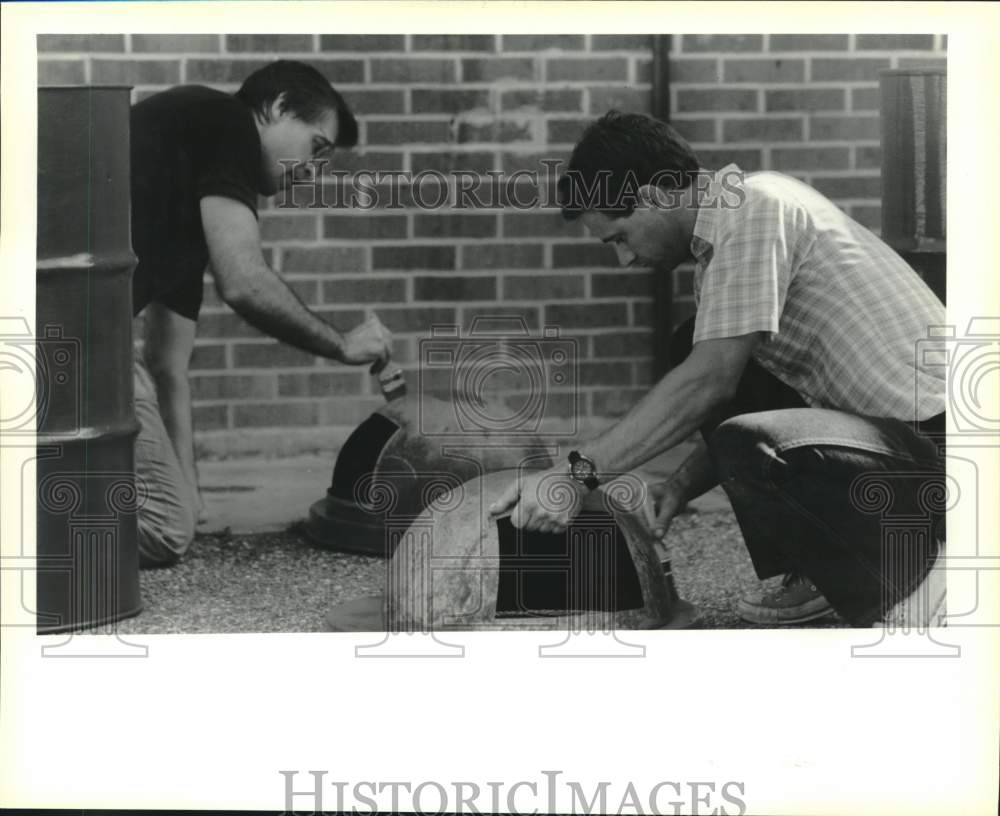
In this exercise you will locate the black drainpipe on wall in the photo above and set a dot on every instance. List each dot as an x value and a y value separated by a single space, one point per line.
663 279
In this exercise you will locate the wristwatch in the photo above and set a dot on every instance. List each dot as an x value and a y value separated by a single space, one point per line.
583 470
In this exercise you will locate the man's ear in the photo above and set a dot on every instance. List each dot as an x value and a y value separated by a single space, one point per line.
650 195
277 108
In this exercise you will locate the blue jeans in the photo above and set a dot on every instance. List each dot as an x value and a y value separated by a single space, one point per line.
166 516
854 503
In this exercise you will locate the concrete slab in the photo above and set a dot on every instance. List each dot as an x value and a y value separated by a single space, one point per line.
263 495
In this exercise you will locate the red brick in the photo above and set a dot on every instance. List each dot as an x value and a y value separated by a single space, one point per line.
810 158
498 319
762 130
275 415
545 223
288 227
543 287
80 43
565 131
413 256
642 373
452 287
621 42
868 215
381 102
208 356
320 384
453 162
868 156
406 131
434 100
865 98
695 130
455 226
554 100
591 373
367 43
417 318
366 227
232 387
681 310
684 281
582 255
589 69
806 99
236 70
175 43
808 42
622 284
497 68
210 417
498 131
327 260
848 70
722 42
616 402
644 71
894 42
364 290
716 99
542 42
636 100
351 161
849 186
269 43
501 256
135 72
764 70
453 42
586 315
642 313
749 160
694 70
847 128
60 72
623 344
923 62
270 354
307 290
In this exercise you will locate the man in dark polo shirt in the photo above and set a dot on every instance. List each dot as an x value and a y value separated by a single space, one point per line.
200 159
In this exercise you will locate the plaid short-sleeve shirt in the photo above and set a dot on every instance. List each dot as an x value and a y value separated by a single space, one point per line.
842 311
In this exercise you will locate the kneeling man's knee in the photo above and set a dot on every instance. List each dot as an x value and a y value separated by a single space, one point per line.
742 449
162 545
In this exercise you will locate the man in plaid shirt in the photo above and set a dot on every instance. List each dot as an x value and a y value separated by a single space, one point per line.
799 369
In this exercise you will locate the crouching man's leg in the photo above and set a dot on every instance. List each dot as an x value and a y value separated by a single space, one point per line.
166 520
802 483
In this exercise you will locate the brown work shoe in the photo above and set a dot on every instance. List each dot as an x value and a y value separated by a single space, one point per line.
795 600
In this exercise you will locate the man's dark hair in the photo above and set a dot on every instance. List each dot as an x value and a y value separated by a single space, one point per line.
308 96
618 154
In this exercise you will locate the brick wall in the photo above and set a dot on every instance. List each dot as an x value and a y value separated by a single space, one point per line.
806 105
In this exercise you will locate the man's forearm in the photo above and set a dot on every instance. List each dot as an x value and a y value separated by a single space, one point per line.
267 303
668 414
695 476
173 393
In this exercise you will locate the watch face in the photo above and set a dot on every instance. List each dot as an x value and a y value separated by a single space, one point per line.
581 469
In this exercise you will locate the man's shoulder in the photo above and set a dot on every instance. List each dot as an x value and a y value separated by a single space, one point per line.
195 101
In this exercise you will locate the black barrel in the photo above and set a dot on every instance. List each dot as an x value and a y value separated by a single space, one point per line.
88 568
914 168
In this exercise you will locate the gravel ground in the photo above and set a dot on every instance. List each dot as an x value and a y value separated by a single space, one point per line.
279 582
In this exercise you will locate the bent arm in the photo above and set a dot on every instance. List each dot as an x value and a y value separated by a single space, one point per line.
252 288
675 407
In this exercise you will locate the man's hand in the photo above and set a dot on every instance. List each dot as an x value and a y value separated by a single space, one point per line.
371 342
545 502
668 500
